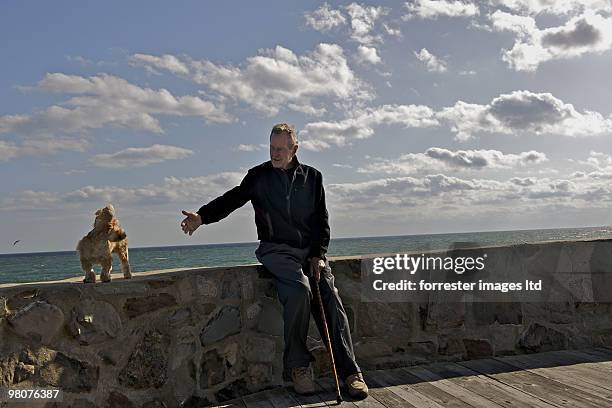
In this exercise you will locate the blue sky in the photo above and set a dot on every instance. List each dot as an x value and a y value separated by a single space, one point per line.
426 116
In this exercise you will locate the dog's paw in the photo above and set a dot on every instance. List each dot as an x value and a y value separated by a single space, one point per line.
89 280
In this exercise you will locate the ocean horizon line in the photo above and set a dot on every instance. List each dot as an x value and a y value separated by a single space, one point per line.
243 243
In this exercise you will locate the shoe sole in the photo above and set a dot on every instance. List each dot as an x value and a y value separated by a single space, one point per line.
359 394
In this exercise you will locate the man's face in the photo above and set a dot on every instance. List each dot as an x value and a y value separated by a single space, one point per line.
281 153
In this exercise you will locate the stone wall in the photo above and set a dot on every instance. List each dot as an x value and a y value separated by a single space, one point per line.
199 336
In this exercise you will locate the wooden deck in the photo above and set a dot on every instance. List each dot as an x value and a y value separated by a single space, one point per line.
574 379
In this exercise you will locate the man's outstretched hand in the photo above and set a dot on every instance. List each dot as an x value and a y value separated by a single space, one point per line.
191 222
316 266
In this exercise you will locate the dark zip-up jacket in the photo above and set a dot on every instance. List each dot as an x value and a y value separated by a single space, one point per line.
289 206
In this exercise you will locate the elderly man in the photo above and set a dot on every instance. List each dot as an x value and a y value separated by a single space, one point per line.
293 229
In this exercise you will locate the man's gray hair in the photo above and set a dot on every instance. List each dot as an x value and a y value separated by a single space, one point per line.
285 128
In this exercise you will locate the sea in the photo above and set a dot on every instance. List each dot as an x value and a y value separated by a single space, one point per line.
47 266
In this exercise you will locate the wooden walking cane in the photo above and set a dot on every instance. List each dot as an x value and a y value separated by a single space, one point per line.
327 339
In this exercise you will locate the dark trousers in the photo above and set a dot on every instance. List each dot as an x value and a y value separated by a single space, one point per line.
288 265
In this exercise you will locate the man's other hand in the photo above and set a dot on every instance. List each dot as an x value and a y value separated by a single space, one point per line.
316 266
191 222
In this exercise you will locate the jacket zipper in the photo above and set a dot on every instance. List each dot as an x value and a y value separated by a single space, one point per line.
288 197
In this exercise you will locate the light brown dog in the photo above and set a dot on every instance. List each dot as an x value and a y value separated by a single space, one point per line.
97 247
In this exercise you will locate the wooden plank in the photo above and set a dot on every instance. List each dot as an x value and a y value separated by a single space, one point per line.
412 396
412 382
552 361
568 363
605 349
258 400
534 384
327 392
328 396
587 357
467 396
383 395
309 401
601 358
236 403
501 393
560 374
590 371
329 385
281 398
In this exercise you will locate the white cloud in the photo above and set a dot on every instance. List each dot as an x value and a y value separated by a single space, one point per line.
598 160
443 196
277 78
368 55
523 111
106 100
324 18
436 159
172 190
141 156
394 32
8 151
516 112
79 59
40 146
167 62
432 9
248 147
363 20
586 33
321 135
433 63
554 7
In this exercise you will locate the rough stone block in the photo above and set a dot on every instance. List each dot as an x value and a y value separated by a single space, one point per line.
94 322
154 404
148 363
478 348
196 402
67 373
258 376
224 323
451 347
82 403
270 319
539 338
234 390
259 349
368 348
39 321
385 320
23 372
230 287
181 317
444 316
212 370
184 348
504 313
118 400
138 306
7 369
207 287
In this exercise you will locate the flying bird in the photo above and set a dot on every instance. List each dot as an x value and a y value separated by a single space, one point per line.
14 243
